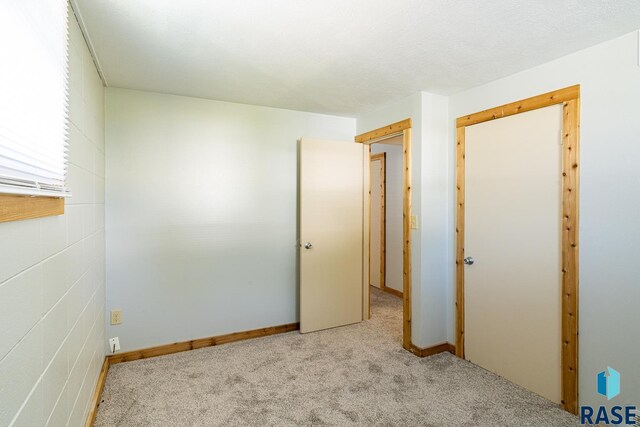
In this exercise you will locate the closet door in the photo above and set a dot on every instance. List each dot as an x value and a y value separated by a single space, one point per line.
513 285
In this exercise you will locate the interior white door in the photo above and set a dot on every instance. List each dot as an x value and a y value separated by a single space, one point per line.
513 218
331 233
375 224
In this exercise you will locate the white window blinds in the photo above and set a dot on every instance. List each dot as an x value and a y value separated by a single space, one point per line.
33 97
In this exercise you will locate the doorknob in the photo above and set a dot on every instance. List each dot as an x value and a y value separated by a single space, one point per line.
469 260
308 245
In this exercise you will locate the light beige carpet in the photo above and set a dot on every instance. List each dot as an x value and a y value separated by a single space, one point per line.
354 375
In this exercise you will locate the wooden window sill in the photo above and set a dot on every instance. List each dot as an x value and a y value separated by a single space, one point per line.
16 208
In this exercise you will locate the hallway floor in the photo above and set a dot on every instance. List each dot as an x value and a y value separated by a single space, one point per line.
353 375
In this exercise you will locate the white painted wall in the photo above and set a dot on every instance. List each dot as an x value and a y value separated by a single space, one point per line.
435 218
394 193
429 175
201 214
52 278
609 76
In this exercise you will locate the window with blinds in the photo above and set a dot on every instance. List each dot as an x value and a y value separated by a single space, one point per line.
33 97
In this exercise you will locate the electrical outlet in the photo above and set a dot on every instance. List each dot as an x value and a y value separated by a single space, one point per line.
116 317
114 344
414 222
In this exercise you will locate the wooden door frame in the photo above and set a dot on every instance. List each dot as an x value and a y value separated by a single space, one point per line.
570 99
377 135
382 157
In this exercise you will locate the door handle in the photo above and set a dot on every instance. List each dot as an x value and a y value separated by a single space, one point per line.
308 245
469 260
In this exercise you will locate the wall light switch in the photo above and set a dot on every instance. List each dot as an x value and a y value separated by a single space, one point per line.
114 344
116 317
414 222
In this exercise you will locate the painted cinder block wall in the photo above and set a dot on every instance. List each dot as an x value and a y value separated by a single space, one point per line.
51 353
52 277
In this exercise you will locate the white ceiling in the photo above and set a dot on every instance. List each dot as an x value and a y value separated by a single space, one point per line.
337 56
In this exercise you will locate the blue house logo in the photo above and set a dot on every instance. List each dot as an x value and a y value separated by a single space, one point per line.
609 383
